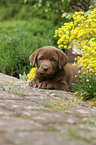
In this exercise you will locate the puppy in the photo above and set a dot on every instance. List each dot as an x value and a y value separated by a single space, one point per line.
53 71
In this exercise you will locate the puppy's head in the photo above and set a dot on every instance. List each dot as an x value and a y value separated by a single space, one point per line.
49 60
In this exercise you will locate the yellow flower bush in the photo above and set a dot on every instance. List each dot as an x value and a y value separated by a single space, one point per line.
31 74
88 59
82 32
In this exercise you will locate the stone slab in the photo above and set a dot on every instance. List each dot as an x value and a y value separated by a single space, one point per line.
31 116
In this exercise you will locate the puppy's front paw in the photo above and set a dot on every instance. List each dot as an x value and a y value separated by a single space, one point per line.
45 85
34 83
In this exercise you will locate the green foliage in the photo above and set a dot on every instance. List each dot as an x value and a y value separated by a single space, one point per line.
15 9
18 40
55 8
50 9
86 86
63 105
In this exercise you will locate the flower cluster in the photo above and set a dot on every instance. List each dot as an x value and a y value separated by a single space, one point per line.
86 86
81 32
88 59
31 74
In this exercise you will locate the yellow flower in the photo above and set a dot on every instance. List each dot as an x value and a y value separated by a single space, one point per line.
65 46
74 64
31 74
83 31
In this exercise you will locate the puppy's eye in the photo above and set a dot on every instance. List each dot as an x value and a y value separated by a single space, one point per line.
41 58
53 59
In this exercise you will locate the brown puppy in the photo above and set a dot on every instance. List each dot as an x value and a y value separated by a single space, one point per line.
53 71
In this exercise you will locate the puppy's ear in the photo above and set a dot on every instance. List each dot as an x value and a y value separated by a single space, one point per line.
33 57
63 59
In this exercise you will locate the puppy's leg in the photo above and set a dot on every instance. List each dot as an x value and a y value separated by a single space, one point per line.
42 85
62 85
45 85
34 82
54 85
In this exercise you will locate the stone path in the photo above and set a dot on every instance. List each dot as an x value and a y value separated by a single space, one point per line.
30 116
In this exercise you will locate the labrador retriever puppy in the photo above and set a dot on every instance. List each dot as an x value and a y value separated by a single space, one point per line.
53 71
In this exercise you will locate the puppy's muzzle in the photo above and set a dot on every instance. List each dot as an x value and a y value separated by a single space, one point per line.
45 68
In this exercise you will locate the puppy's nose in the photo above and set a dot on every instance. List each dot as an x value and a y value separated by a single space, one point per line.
45 68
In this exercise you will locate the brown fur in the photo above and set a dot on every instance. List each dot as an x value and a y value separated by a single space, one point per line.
53 71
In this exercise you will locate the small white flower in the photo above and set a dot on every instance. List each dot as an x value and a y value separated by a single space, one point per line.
87 67
75 76
92 70
83 73
39 5
75 93
79 72
87 80
79 65
46 10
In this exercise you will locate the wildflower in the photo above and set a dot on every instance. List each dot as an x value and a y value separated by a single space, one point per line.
87 80
92 70
74 64
81 30
79 71
75 93
31 74
84 73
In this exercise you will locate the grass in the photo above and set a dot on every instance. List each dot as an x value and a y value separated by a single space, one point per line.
26 117
14 9
86 88
12 90
63 105
76 132
49 128
18 39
